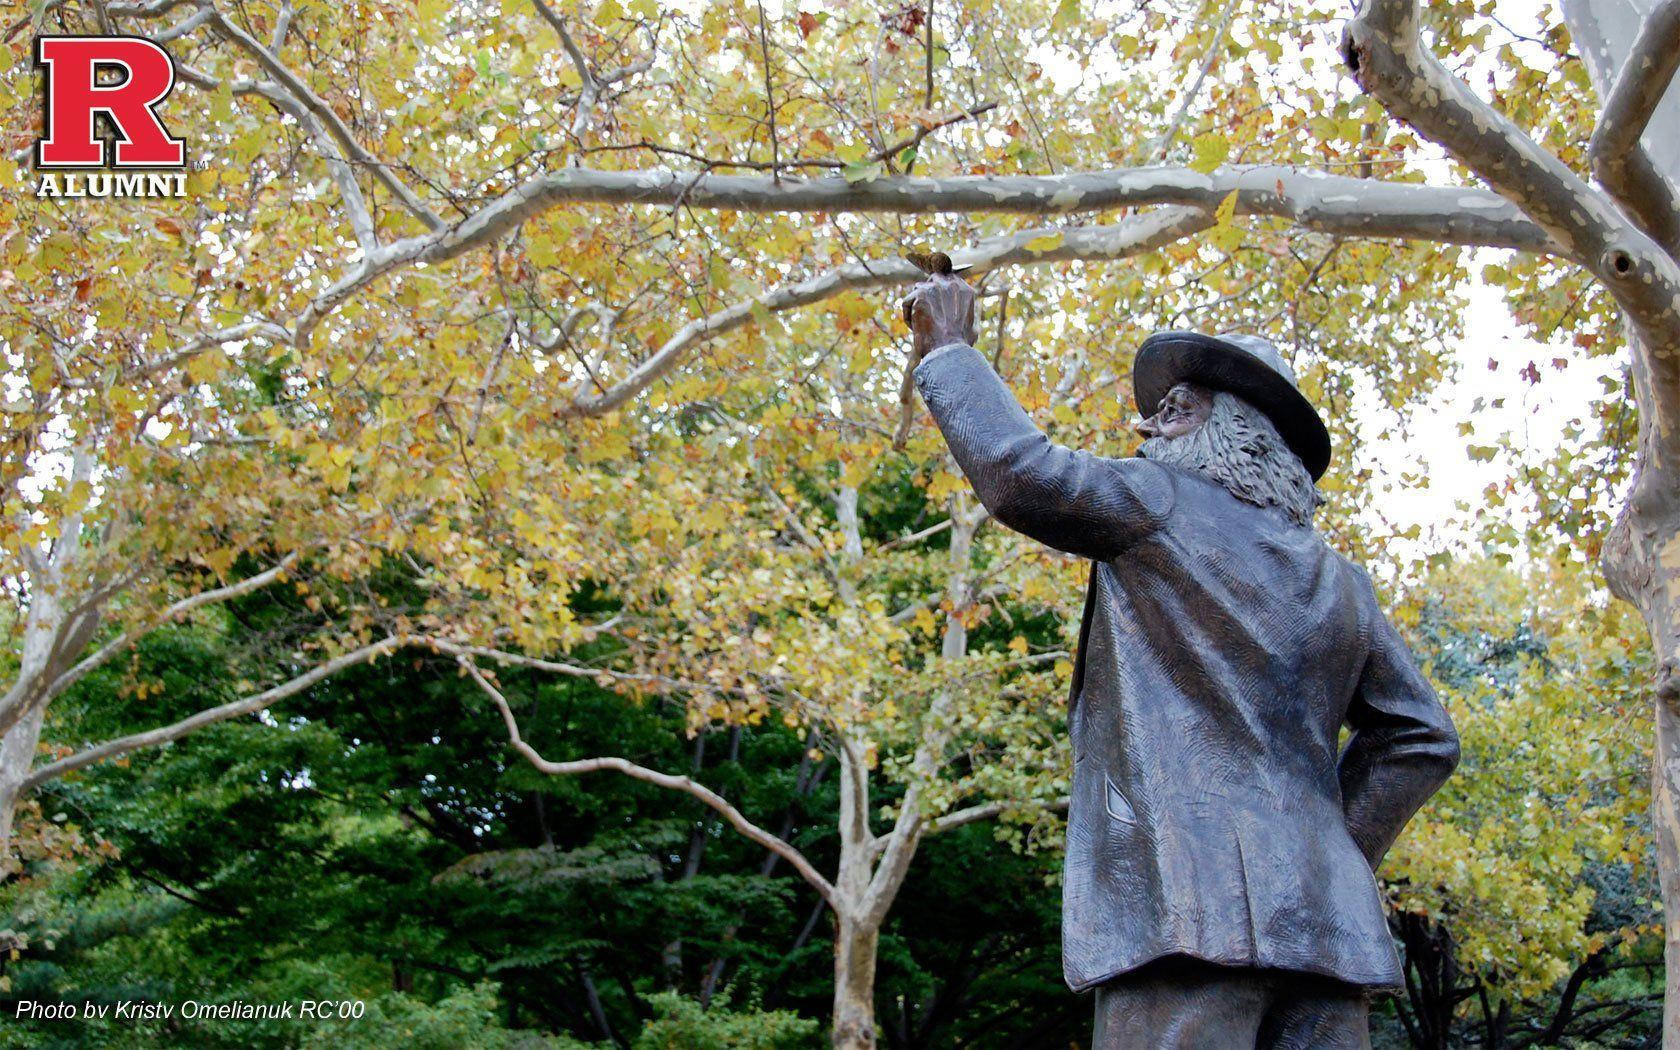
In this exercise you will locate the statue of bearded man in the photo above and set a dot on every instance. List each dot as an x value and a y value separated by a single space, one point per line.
1218 887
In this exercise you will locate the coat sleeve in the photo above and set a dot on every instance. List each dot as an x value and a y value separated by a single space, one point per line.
1073 501
1403 745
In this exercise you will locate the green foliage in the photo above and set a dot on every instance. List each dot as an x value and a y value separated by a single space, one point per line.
1536 857
683 1024
467 1017
381 844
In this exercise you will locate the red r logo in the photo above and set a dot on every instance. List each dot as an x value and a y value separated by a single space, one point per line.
74 97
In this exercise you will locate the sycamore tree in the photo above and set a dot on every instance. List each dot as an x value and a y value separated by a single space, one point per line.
550 299
1523 890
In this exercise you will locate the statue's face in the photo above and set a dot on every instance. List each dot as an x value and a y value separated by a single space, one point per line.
1185 408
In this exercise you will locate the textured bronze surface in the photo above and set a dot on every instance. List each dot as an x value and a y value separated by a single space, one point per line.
1221 650
1176 1004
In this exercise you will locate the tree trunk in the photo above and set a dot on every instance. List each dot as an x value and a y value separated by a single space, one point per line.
17 754
866 888
855 944
21 711
1431 979
856 929
1665 816
1642 566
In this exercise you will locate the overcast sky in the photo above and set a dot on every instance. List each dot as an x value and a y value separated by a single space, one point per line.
1534 414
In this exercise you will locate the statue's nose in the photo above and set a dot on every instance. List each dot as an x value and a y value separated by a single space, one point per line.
1147 427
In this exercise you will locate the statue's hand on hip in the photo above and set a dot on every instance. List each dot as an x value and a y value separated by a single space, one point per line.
939 311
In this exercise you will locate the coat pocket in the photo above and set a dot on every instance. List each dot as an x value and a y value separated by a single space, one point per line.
1115 801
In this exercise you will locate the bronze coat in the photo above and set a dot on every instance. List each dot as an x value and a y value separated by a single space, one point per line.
1221 651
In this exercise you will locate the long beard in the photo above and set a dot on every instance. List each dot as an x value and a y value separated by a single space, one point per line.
1239 448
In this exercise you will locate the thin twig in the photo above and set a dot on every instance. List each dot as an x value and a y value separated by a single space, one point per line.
769 95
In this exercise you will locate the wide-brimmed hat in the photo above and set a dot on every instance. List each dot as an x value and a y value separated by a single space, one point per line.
1245 365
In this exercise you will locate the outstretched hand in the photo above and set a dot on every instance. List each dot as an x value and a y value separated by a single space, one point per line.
940 310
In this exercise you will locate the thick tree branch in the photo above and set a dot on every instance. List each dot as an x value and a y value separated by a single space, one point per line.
1132 236
282 27
737 820
1622 165
181 608
57 624
854 813
1383 48
1315 201
936 724
150 9
338 166
183 27
984 811
273 695
592 80
591 86
1320 202
221 713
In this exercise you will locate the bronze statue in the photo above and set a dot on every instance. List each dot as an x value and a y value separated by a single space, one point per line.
1219 887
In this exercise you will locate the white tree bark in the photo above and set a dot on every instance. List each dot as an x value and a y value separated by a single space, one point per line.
856 934
1622 235
54 635
57 625
1332 204
17 752
868 885
295 90
1604 33
1620 158
1147 232
684 784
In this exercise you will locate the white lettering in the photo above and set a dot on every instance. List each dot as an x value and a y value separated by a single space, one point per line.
133 1010
112 184
47 1011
